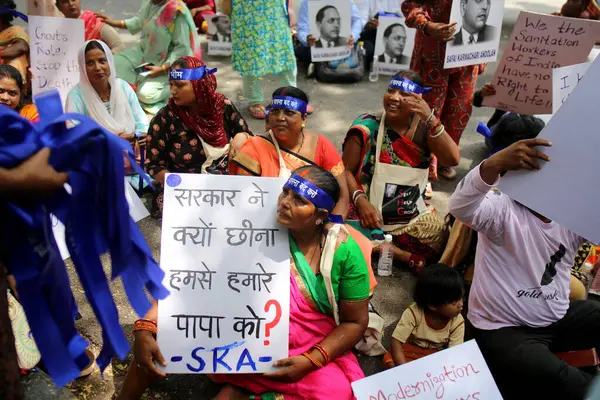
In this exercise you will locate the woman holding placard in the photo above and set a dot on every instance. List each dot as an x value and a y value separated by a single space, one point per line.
11 93
452 89
329 292
197 131
387 159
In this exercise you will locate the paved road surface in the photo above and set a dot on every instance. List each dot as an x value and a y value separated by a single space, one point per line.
336 107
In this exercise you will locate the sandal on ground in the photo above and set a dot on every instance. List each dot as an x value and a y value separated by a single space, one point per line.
447 172
428 191
257 111
416 263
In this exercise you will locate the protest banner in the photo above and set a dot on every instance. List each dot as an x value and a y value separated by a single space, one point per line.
564 81
459 372
539 43
330 24
137 210
564 189
219 29
478 29
227 265
393 45
53 47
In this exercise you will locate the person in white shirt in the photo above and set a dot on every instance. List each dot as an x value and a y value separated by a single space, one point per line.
519 300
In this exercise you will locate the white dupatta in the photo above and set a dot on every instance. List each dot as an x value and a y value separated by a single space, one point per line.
120 118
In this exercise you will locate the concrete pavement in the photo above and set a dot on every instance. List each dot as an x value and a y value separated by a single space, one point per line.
336 106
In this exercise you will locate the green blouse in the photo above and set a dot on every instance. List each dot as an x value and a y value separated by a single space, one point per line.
349 275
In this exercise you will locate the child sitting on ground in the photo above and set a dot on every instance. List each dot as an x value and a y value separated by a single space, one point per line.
434 321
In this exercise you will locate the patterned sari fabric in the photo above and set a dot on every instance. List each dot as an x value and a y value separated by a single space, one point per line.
92 25
310 322
7 37
453 89
427 235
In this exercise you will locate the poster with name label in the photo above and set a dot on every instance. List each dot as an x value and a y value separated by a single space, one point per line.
54 44
478 30
330 24
394 45
227 265
137 211
538 44
219 31
573 131
459 372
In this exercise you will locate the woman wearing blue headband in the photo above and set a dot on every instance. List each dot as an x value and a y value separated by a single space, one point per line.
329 299
14 41
197 131
410 134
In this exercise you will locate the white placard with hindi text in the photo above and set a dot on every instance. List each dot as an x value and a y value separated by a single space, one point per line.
137 211
227 265
54 44
563 190
459 372
330 24
478 30
219 30
564 81
394 45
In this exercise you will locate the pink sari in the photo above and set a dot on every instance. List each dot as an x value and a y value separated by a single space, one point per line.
308 326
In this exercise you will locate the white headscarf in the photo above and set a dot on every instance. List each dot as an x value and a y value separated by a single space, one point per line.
120 119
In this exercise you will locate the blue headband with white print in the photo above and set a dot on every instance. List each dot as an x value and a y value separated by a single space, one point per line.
406 85
314 194
192 74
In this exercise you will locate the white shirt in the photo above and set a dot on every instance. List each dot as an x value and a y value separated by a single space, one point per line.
522 264
223 38
466 35
368 8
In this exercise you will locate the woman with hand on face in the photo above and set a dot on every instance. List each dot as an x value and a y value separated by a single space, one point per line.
102 96
323 330
197 132
411 132
11 93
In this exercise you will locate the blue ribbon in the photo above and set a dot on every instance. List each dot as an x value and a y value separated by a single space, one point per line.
96 219
190 74
314 194
288 103
406 85
14 13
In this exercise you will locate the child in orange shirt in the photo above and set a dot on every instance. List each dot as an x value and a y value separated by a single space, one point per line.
434 321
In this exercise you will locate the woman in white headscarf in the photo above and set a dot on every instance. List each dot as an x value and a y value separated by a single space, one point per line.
102 96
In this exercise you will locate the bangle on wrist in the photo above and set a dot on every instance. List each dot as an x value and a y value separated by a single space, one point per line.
430 119
143 324
358 197
323 352
438 133
313 360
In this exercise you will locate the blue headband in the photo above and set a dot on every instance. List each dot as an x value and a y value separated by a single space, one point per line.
407 85
288 103
14 13
190 74
314 194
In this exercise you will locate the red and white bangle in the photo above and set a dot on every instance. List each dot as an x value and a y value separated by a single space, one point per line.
357 193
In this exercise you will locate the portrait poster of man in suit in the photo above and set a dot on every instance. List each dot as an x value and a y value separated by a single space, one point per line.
219 32
330 22
474 28
393 45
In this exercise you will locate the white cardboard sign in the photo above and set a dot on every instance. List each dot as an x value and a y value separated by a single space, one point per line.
219 29
563 189
459 372
394 45
227 265
54 46
564 81
137 210
330 24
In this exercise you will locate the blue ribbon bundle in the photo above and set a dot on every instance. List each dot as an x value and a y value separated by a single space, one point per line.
96 219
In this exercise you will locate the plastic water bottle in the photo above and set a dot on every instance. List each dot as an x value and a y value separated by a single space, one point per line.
386 258
374 73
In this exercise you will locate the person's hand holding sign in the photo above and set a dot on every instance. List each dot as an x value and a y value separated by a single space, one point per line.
372 24
311 40
520 155
351 42
488 90
146 352
440 31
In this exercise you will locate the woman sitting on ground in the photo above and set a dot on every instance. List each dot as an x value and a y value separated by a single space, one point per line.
100 95
319 348
11 93
168 32
197 131
14 41
411 132
94 26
